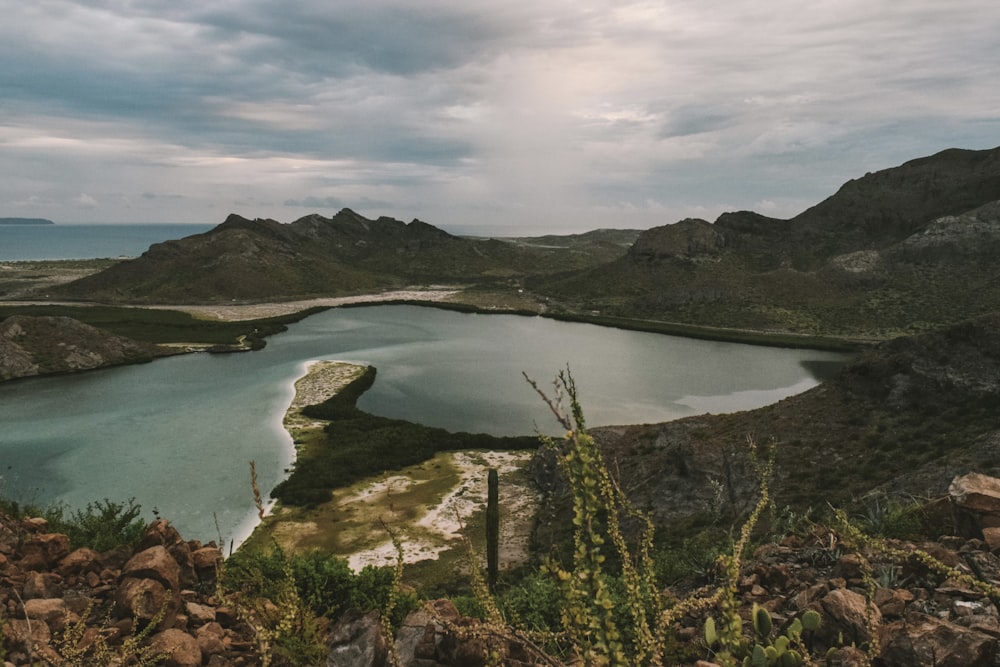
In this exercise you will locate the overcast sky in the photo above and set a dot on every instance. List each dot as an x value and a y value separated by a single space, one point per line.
526 116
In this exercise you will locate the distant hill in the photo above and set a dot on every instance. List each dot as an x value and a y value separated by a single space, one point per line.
37 345
346 254
25 221
901 250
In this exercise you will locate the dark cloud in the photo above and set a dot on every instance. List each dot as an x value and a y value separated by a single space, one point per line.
535 113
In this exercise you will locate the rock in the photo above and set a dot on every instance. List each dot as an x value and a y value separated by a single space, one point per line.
42 585
79 562
146 599
210 639
925 640
161 533
357 640
180 648
991 536
845 618
199 614
976 498
154 563
53 612
847 656
42 552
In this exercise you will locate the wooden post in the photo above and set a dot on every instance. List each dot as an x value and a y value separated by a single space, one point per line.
492 529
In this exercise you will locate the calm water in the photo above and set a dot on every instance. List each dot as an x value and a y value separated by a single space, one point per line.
31 242
177 434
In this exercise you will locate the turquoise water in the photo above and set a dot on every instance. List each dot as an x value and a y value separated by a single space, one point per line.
177 434
33 242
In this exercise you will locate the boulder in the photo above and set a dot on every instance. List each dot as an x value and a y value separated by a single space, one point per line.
41 585
920 639
976 498
81 561
846 618
180 648
357 640
42 552
154 563
144 600
162 533
52 611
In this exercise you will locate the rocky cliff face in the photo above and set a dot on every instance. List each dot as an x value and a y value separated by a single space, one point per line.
39 345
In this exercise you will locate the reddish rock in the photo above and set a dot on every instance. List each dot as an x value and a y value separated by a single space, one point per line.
210 639
845 618
992 538
145 599
199 614
43 551
206 561
41 585
53 612
920 639
161 533
80 562
180 648
154 563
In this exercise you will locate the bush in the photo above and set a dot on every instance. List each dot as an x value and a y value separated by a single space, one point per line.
101 526
324 583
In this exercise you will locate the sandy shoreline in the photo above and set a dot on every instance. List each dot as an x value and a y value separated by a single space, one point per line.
426 529
254 311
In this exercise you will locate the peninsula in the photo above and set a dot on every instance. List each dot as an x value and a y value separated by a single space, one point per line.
25 221
427 504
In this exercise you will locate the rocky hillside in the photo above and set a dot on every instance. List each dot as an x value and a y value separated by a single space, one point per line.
901 421
316 256
898 251
36 345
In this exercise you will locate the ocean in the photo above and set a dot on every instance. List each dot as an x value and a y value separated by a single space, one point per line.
40 242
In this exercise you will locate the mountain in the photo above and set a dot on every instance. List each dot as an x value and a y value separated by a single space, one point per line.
898 251
347 254
901 250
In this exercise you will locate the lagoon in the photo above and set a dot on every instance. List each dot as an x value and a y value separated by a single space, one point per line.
177 434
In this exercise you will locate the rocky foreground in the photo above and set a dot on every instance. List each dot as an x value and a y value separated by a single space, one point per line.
935 604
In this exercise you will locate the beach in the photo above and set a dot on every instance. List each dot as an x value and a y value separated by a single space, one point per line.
430 507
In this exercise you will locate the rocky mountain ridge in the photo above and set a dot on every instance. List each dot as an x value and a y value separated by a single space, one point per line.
314 256
903 250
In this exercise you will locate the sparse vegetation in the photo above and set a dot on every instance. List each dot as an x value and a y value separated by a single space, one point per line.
101 525
357 445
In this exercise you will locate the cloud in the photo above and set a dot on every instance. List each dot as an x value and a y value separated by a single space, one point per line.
86 201
542 114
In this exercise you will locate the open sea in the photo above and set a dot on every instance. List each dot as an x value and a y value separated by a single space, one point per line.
38 242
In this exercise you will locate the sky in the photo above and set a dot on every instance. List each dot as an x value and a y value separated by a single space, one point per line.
515 117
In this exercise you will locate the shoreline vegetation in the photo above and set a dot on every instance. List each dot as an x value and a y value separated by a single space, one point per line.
430 506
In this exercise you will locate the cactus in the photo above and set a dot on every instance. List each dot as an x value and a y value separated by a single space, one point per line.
784 651
492 529
761 623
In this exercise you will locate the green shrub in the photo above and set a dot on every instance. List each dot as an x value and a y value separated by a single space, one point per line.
101 526
324 583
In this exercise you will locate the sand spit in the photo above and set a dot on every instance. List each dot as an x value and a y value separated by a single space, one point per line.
426 506
439 527
253 311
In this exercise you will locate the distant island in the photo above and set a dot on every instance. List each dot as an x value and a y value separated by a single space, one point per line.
25 221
